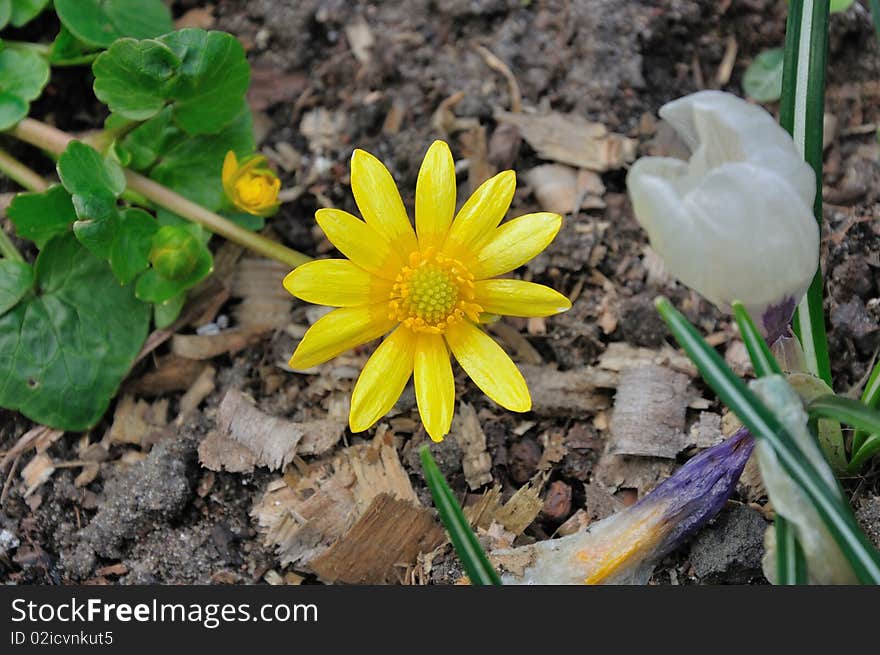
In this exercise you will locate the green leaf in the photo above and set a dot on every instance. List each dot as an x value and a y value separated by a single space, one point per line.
202 75
16 279
473 558
801 113
762 80
41 216
147 141
213 79
24 11
763 424
847 411
97 226
101 22
247 221
165 313
65 350
840 5
66 47
5 12
130 251
23 74
762 359
791 564
84 172
192 167
133 77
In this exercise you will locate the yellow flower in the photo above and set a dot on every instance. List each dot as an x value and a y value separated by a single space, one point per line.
427 286
251 185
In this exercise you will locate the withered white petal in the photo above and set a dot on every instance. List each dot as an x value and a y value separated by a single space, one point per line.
735 222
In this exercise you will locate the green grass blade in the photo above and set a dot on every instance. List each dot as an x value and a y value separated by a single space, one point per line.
791 564
875 14
762 359
473 558
870 447
848 411
763 424
871 393
802 110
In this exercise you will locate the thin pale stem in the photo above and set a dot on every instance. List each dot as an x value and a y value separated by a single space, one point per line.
21 174
55 141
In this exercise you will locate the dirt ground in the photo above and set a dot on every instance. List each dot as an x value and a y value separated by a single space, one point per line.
153 514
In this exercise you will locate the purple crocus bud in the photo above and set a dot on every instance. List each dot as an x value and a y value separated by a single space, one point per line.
624 548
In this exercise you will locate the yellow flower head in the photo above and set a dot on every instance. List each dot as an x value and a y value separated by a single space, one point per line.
427 286
251 185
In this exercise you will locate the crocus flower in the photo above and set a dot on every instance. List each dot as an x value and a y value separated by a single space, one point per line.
427 286
735 221
625 547
250 185
826 563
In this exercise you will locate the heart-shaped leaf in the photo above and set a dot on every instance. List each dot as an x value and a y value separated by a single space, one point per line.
130 251
101 22
23 74
84 172
64 351
24 11
762 80
16 279
41 216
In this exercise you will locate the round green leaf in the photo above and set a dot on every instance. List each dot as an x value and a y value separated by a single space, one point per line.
65 350
165 313
24 11
840 5
23 74
130 251
98 224
101 22
84 172
5 12
212 81
16 279
41 216
133 77
762 80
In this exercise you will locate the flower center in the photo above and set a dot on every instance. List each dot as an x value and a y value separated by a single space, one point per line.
254 190
432 293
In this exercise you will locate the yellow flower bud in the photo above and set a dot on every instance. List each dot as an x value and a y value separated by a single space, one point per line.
250 185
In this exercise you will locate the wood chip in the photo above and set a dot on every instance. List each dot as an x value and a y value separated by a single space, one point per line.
389 536
649 412
515 515
616 472
302 519
620 356
475 461
138 422
200 389
554 449
37 472
571 139
208 346
265 302
246 437
572 394
706 432
563 189
172 373
360 38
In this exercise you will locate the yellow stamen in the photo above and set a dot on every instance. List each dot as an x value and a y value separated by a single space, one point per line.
433 292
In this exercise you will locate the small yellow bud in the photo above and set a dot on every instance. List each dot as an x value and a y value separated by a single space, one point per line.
250 185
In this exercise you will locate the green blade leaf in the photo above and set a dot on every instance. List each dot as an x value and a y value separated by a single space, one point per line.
848 411
41 216
762 359
101 22
762 80
791 564
16 279
65 350
473 558
763 424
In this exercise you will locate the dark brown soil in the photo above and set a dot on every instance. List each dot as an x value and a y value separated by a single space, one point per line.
609 61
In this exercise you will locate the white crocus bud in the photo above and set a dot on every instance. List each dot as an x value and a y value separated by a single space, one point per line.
735 222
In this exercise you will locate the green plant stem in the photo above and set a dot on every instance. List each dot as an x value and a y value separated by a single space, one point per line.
55 141
791 563
39 48
21 174
8 249
82 60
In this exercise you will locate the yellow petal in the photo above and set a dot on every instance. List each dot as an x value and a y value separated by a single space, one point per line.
515 243
379 201
480 215
337 283
230 166
488 366
518 298
359 242
435 385
435 196
341 330
382 380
